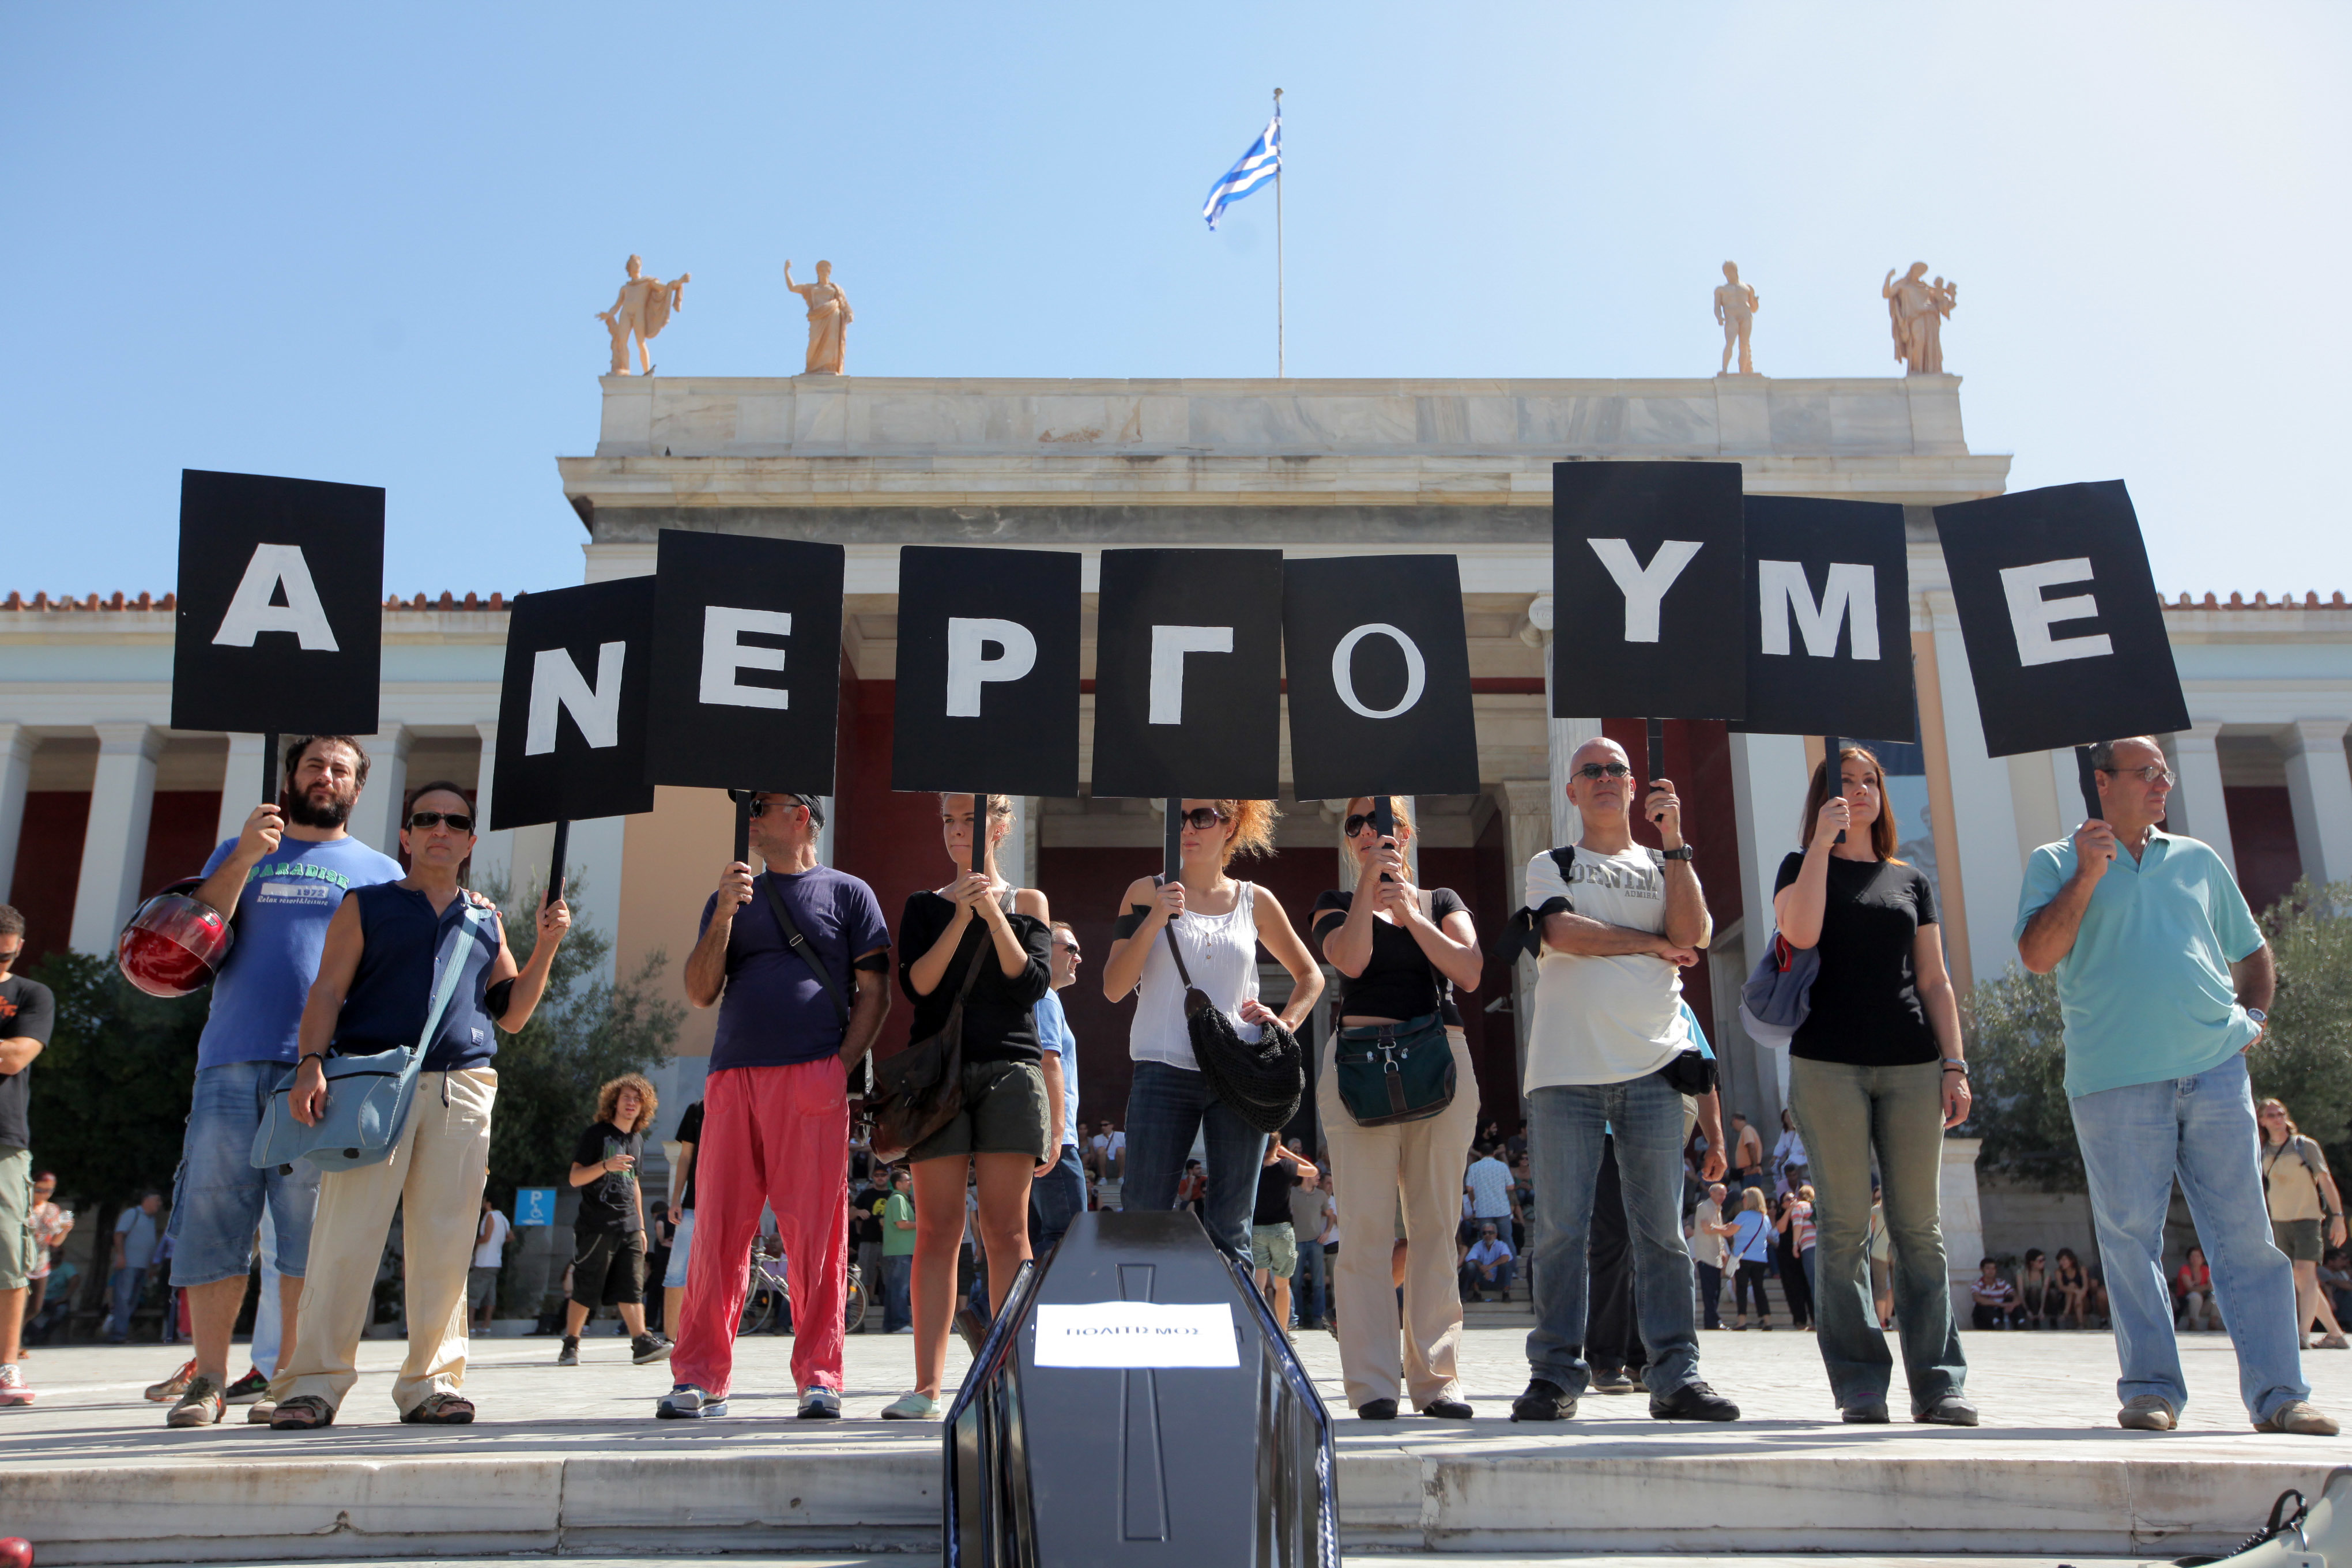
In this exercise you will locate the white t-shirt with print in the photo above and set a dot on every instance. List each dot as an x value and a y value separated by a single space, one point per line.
1604 1020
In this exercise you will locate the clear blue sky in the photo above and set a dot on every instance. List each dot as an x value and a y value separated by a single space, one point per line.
365 243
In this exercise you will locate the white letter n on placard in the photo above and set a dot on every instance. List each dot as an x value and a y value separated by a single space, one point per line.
1850 596
1644 587
1168 647
556 682
969 666
250 613
2030 615
723 654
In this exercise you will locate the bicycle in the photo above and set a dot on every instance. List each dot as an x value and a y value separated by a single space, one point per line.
770 1291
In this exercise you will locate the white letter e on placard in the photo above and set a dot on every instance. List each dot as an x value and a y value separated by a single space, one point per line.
723 654
2030 615
250 613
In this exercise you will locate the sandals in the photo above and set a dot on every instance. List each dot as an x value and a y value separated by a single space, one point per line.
303 1412
438 1410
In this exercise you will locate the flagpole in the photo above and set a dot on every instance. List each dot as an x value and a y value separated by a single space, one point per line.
1279 364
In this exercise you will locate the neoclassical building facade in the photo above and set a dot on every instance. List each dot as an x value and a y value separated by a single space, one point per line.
101 801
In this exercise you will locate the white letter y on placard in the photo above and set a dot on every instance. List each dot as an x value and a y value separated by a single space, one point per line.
1644 587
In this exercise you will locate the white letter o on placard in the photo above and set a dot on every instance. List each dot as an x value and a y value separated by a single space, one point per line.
1343 677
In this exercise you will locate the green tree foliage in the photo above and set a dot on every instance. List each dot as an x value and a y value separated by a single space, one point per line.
585 1032
2018 1068
111 1093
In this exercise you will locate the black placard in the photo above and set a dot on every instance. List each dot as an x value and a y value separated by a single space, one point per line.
1646 589
988 671
1829 619
281 623
571 712
2058 609
1188 674
747 662
1379 661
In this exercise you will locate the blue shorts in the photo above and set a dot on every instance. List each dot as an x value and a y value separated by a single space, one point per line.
218 1195
673 1278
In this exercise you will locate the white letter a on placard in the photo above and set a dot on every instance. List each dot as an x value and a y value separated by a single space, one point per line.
250 613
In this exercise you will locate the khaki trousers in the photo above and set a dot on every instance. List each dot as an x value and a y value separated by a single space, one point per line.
435 1176
1374 1170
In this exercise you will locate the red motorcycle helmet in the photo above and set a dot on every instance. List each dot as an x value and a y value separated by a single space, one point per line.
175 945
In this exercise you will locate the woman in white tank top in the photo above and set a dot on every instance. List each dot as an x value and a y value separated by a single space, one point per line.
1219 922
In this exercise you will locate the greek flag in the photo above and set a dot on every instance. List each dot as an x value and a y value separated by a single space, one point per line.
1260 164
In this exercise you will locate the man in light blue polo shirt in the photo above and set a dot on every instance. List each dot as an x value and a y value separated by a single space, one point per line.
2163 978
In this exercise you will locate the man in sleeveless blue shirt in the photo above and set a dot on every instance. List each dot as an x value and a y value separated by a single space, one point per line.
280 878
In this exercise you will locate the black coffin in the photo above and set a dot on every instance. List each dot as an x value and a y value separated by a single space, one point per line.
1058 1467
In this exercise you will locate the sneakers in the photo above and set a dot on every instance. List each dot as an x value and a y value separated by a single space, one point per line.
172 1387
684 1401
12 1385
2299 1416
1693 1402
820 1404
570 1354
200 1405
1543 1401
1611 1380
246 1389
644 1349
1950 1411
2147 1413
912 1405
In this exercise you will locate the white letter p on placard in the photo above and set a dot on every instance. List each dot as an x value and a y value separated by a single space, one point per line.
1168 647
250 613
969 666
1644 587
2030 615
556 683
723 654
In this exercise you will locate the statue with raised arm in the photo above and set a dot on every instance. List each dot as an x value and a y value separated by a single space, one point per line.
828 314
1736 305
1915 308
641 308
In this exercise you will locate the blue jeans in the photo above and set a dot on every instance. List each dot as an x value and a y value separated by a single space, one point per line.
1564 1135
1306 1287
2135 1141
897 1276
1846 1114
218 1195
1476 1279
1055 1199
127 1284
1166 1106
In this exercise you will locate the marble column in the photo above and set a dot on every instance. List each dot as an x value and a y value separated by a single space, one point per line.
17 746
114 849
376 820
2196 807
2319 787
1562 736
494 852
1527 832
240 787
1961 1211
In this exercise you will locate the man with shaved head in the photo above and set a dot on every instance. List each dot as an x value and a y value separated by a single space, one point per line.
2163 984
1610 1055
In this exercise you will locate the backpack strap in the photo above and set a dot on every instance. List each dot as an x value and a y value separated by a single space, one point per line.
799 945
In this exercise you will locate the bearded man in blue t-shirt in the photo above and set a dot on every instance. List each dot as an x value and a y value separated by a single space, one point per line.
282 879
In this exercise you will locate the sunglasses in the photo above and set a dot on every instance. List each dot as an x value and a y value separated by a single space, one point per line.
1356 822
1204 817
761 807
457 820
1604 771
2149 775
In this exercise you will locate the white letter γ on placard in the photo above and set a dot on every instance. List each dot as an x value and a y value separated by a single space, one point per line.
556 683
1168 647
2031 615
1343 673
723 654
969 667
250 613
1644 587
1850 596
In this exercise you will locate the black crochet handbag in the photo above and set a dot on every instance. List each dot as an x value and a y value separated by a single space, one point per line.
1262 1083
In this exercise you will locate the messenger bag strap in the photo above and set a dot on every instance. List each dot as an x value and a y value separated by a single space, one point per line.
452 962
799 945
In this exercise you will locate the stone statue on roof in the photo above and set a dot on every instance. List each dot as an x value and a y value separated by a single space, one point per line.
828 317
642 308
1736 305
1916 309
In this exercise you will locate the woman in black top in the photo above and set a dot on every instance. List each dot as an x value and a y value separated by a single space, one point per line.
1876 1069
1401 952
1007 1132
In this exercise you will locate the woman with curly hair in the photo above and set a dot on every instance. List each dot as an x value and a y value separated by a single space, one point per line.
608 1235
1219 921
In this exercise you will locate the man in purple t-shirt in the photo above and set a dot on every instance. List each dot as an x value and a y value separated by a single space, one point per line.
775 1110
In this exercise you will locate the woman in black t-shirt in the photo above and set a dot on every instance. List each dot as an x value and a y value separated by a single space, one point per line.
1401 952
1876 1069
1008 1132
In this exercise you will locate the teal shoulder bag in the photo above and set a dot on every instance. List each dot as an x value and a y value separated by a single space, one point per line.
1393 1073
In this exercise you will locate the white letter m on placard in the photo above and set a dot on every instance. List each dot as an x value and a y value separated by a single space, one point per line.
1168 647
556 682
1850 596
250 613
1644 587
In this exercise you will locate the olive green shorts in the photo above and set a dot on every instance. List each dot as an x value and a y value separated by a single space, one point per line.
2298 1238
1004 1112
16 1252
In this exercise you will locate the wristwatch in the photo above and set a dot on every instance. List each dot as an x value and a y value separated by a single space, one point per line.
1686 852
2258 1016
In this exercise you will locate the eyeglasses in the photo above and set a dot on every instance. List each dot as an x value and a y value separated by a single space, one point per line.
2153 773
1604 769
457 820
1204 817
